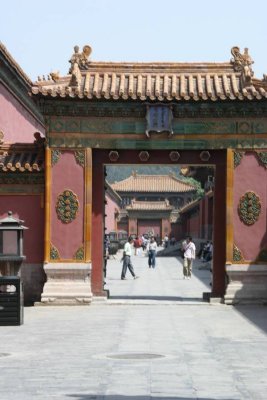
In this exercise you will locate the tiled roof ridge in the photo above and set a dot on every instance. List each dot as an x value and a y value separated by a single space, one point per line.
189 205
156 176
22 158
129 178
164 85
110 190
184 182
152 183
158 67
163 176
158 81
14 64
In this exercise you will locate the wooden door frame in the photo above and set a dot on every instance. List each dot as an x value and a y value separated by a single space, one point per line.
218 158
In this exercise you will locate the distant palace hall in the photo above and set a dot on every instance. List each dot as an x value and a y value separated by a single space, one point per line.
58 136
150 203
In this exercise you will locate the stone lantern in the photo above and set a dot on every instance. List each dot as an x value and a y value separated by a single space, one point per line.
11 245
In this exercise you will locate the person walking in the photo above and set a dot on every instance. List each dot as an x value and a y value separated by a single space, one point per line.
152 249
166 241
127 263
144 242
189 256
137 245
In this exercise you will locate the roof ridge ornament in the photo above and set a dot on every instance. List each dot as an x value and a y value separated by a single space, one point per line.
79 62
81 59
242 63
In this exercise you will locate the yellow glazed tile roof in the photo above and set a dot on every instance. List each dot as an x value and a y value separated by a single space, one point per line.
21 160
205 83
14 64
152 183
155 81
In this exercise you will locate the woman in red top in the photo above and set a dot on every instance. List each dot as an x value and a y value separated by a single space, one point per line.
137 244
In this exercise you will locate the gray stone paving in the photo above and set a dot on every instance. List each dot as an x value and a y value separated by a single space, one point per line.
164 283
104 351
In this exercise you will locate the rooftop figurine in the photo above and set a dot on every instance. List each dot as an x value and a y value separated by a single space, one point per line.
242 63
80 59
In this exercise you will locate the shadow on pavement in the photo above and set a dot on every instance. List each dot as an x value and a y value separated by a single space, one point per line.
126 397
257 314
200 271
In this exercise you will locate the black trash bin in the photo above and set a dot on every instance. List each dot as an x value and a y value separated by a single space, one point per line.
11 301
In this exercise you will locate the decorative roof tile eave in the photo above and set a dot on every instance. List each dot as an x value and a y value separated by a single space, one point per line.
112 193
15 65
155 82
14 79
21 159
189 206
194 203
152 184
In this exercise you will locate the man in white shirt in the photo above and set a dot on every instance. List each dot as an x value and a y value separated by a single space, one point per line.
166 241
152 249
127 263
189 256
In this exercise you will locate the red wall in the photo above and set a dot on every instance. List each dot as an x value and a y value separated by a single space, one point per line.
28 208
17 124
193 226
132 223
177 231
147 224
197 225
123 226
67 174
110 210
166 227
250 176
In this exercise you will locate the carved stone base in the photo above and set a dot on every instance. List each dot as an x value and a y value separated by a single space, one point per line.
247 284
67 284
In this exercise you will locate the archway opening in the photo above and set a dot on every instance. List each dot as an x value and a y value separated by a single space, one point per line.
159 206
213 230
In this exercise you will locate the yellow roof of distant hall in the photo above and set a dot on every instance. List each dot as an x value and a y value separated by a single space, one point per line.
152 183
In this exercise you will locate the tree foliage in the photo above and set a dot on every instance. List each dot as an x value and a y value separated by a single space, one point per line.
200 191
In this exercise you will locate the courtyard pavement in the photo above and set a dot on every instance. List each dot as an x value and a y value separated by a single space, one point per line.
153 339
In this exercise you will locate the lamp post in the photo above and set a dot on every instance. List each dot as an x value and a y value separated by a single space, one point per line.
11 245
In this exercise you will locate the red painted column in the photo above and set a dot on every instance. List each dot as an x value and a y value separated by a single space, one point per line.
97 227
219 232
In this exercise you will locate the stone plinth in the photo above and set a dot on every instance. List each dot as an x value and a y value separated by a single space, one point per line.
67 284
247 284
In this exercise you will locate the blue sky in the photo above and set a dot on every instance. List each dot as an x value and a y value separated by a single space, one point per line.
41 35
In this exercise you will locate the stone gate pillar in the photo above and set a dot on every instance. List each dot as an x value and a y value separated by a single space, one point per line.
67 259
246 265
